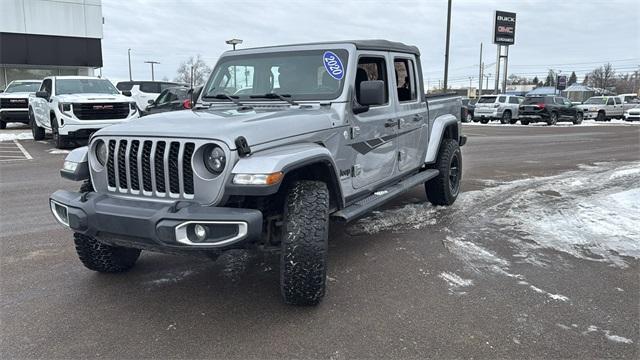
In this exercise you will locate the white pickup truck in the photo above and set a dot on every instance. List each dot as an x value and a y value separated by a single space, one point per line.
74 107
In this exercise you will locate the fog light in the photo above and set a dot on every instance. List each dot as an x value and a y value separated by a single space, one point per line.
60 212
200 232
70 166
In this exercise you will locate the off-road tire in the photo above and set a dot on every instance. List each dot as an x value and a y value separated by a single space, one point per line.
441 190
524 122
553 119
577 120
60 140
103 258
36 131
303 259
601 116
3 125
484 120
506 117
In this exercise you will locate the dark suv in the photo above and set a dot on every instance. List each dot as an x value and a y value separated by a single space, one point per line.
549 109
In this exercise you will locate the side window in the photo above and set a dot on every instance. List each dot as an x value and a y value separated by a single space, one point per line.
124 85
372 68
559 101
162 98
617 100
405 80
46 86
502 99
610 101
150 87
513 100
566 101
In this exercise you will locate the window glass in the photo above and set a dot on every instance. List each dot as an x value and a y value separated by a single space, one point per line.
513 100
23 86
150 87
300 74
405 80
487 100
162 98
502 99
46 86
164 86
631 99
610 101
85 86
617 99
125 85
372 68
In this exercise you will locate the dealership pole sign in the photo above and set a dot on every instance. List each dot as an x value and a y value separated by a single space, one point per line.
504 28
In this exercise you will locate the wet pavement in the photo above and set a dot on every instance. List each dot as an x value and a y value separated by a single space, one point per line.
539 257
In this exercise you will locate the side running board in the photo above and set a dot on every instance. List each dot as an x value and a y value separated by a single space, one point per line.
381 196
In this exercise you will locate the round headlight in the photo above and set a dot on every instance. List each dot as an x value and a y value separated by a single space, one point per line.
214 159
101 152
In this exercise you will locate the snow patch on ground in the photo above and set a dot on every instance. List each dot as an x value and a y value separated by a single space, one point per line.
455 281
608 335
58 151
172 277
10 136
412 216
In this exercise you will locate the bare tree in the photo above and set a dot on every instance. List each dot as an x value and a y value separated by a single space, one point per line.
196 65
602 77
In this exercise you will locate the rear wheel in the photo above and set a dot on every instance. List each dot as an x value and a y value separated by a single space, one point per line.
444 188
553 118
484 120
303 260
577 120
506 117
36 131
3 125
524 122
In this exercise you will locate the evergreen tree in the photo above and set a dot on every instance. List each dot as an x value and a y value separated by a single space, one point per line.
572 79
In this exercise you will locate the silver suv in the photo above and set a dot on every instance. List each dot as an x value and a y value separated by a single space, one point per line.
319 131
497 107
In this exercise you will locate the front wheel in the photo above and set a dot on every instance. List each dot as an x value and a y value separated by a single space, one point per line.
444 188
524 122
578 119
103 258
303 261
59 140
601 116
36 131
484 120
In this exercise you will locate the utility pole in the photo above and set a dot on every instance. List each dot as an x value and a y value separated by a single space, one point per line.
480 73
470 80
487 77
129 54
506 60
446 51
152 63
496 89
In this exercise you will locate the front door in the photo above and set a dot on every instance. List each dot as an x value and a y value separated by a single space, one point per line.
410 113
373 134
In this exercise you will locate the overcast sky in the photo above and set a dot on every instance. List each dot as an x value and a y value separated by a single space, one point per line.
567 35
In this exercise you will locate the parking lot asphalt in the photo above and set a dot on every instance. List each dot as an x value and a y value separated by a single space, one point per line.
537 259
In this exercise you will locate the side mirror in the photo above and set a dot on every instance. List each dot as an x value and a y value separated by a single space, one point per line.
126 92
1 90
372 93
150 102
42 94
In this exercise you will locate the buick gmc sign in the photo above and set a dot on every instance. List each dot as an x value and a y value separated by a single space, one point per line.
504 28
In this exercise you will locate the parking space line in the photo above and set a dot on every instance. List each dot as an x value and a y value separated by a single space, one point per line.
24 151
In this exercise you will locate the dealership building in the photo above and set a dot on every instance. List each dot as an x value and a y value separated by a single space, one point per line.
41 38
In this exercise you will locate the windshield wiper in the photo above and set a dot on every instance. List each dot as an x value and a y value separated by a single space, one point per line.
272 95
232 98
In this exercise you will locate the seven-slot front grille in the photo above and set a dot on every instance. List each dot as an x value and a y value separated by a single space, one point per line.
160 168
14 103
101 111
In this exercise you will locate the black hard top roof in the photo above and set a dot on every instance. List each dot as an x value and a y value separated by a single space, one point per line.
377 45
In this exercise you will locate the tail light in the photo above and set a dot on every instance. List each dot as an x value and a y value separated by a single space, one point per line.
186 104
540 105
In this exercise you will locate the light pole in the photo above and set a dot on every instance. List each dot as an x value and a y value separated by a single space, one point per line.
446 51
152 63
129 54
234 42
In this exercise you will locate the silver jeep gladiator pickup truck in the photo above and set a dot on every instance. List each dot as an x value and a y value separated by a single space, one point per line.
282 140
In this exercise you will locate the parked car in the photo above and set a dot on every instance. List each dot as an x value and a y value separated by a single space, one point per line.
632 114
14 101
550 109
333 138
172 99
497 107
602 108
74 107
468 105
143 91
629 101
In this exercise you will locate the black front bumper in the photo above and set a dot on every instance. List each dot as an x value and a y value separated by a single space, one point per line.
152 225
21 116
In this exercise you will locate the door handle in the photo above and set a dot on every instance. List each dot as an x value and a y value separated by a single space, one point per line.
417 118
391 123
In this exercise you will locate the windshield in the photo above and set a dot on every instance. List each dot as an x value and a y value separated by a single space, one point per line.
304 75
487 100
596 100
85 86
15 87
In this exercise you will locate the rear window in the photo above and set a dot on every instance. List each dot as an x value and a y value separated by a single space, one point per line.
487 100
125 85
538 100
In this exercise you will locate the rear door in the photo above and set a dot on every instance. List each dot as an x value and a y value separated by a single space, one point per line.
373 136
410 112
